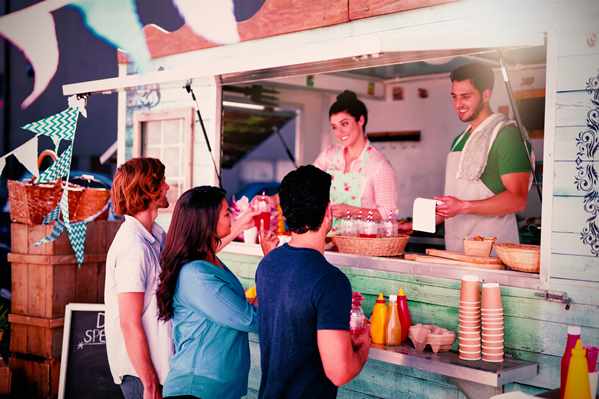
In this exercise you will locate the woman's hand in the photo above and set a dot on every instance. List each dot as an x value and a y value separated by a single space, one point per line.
268 240
243 222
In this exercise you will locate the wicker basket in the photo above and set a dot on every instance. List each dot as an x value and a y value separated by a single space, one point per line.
482 247
91 202
385 246
30 202
521 257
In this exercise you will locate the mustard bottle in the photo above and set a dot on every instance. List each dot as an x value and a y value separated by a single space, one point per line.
393 323
577 383
378 321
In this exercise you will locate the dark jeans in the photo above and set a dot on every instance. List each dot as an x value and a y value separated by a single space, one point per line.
132 387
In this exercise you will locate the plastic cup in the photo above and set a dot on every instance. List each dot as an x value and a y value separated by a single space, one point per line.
250 235
470 289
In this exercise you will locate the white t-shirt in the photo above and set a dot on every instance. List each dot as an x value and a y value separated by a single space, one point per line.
133 265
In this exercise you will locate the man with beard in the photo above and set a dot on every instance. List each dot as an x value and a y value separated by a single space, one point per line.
488 172
138 345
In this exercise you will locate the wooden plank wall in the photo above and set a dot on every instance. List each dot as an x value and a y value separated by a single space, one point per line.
535 330
573 267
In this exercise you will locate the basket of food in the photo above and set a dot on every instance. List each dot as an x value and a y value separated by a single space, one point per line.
520 257
383 246
478 245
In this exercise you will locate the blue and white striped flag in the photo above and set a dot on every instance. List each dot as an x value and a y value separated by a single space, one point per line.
77 232
59 126
59 168
54 234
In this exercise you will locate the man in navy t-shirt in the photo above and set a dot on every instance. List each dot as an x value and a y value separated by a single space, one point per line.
305 344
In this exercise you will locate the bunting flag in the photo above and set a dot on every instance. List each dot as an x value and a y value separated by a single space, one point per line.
27 155
77 232
32 31
54 234
52 216
2 164
60 126
214 20
117 23
64 206
59 168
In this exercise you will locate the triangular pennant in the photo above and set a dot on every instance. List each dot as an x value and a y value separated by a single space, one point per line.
32 31
213 20
59 168
52 216
2 164
64 206
117 23
54 234
27 155
58 126
77 232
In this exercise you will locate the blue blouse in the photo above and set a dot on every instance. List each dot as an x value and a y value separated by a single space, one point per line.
211 322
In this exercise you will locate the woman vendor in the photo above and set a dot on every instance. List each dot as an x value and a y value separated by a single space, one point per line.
363 179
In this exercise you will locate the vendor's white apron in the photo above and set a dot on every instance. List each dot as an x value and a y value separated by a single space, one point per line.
457 228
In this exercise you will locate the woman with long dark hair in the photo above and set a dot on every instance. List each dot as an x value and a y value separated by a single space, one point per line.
205 301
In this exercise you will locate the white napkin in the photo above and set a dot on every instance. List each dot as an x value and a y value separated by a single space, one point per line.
423 214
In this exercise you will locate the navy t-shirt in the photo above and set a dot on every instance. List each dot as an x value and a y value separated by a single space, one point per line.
299 292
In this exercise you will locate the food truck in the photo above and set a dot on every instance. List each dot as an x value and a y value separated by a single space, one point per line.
270 93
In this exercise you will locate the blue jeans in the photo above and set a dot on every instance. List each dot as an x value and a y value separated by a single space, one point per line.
132 387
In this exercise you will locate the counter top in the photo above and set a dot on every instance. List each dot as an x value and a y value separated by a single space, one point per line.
399 265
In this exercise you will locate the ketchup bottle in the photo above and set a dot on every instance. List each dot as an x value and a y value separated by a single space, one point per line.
404 314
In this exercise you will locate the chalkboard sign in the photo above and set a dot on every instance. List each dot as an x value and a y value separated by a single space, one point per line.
84 370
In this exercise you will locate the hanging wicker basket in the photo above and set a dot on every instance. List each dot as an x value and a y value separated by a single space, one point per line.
384 246
520 257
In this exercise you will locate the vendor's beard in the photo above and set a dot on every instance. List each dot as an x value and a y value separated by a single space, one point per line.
476 112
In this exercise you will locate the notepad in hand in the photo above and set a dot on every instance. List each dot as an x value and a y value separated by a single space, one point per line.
423 214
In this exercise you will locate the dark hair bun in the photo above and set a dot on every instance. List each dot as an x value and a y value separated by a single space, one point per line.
347 96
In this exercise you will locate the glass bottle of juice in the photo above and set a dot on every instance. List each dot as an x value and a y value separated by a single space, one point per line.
393 323
370 227
378 321
357 319
390 225
262 219
404 314
573 336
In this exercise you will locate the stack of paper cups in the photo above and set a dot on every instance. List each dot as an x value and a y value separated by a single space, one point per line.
492 323
469 318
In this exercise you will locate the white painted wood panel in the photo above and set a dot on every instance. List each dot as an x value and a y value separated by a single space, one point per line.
568 244
575 267
563 179
565 143
575 70
583 292
572 108
569 215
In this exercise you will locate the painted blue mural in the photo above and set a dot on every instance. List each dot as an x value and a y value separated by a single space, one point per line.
587 178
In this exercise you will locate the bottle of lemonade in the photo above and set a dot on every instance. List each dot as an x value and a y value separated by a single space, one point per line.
393 323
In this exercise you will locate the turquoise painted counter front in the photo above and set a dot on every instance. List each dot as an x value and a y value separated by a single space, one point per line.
534 330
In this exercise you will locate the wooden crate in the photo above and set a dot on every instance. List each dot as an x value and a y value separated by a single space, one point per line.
5 378
36 336
42 285
99 237
34 378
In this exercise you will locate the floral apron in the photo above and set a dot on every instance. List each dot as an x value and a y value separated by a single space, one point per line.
347 188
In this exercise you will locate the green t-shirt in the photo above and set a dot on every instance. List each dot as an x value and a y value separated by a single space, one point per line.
507 155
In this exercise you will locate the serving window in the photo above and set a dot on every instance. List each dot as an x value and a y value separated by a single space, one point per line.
411 120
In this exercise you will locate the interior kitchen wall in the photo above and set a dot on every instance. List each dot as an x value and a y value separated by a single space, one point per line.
419 165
